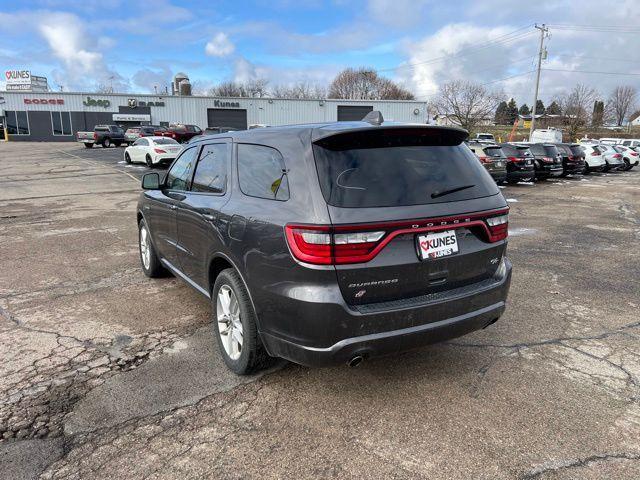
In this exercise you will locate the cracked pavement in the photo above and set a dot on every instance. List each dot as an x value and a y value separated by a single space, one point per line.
107 374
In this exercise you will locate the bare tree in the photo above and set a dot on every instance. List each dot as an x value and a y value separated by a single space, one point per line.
104 89
366 84
621 102
465 103
256 88
299 90
577 106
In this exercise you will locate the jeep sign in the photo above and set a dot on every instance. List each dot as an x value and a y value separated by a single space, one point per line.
92 102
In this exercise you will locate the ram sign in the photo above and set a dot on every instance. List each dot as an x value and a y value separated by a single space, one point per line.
18 79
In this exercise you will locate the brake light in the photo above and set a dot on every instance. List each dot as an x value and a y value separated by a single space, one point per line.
633 154
571 157
617 155
547 159
95 136
595 154
513 159
159 150
348 244
140 135
484 160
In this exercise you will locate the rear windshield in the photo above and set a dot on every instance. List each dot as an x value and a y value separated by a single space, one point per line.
390 168
537 149
165 141
515 151
576 150
494 152
551 150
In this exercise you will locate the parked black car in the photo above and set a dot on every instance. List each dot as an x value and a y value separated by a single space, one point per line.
547 160
519 163
572 158
331 243
492 158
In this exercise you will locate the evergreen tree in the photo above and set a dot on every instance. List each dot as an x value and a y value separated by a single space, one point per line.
539 108
597 118
500 117
524 110
512 111
554 109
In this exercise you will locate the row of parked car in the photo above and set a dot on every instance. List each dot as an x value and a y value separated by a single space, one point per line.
519 161
114 135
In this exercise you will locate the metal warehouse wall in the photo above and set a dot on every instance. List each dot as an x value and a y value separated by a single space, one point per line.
193 110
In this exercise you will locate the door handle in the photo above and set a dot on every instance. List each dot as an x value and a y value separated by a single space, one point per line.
174 207
208 216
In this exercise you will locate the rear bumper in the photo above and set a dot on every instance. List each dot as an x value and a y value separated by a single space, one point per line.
573 167
521 175
549 170
399 328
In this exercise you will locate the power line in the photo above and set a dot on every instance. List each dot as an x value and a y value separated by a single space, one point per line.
483 84
595 28
589 71
500 40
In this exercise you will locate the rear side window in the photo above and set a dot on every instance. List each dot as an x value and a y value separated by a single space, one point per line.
389 168
551 151
537 149
262 172
518 152
211 172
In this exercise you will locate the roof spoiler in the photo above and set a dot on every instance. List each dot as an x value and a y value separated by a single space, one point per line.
374 117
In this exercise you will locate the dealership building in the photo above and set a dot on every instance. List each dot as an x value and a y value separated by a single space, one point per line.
54 116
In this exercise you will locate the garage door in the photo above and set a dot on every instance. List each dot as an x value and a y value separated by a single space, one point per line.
227 117
351 113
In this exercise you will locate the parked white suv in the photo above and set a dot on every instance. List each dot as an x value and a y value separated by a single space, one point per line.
593 159
629 155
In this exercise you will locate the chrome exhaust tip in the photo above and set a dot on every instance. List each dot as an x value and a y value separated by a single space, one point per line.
355 361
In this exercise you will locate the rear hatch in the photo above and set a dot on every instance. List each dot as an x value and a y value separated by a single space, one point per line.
410 210
518 156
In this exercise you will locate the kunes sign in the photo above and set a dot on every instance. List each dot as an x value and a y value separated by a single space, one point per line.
219 104
92 102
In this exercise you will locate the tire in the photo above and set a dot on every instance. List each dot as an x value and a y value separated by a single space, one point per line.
627 165
88 145
149 161
117 144
246 356
586 170
106 143
149 260
127 158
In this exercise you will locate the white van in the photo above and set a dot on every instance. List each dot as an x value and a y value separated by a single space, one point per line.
546 135
630 142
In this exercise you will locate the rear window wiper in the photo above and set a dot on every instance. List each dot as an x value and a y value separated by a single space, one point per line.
442 193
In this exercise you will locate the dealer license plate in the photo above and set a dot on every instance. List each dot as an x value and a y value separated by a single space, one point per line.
437 244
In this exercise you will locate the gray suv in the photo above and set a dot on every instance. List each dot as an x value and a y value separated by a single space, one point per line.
331 243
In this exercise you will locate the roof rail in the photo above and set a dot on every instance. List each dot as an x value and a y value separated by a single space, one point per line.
374 117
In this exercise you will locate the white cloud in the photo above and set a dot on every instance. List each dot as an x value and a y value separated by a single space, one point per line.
397 13
219 46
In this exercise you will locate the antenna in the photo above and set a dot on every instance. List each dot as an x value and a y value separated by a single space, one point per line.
374 118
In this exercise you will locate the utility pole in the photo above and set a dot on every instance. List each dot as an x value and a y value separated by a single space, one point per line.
543 33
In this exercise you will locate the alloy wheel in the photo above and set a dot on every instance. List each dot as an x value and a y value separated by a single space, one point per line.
145 247
229 323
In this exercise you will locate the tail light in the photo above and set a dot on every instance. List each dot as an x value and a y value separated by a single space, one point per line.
513 159
348 244
633 154
617 155
571 157
95 136
159 150
547 159
140 135
484 160
595 154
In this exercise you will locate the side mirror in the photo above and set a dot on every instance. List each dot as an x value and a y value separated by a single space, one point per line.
151 181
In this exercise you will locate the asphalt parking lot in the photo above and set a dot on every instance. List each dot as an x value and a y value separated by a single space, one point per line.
105 373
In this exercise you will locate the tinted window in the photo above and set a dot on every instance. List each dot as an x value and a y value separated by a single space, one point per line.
141 142
56 123
23 124
165 141
576 150
66 123
495 152
262 172
101 129
514 151
211 172
537 150
12 124
387 168
179 176
551 151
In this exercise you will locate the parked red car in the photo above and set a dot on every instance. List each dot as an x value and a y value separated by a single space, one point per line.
182 133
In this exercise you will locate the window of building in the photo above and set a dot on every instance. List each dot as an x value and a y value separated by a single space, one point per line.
262 172
211 172
17 123
61 123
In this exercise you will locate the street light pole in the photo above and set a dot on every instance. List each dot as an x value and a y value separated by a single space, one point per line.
543 31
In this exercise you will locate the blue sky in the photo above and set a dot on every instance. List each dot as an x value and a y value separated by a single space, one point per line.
136 45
